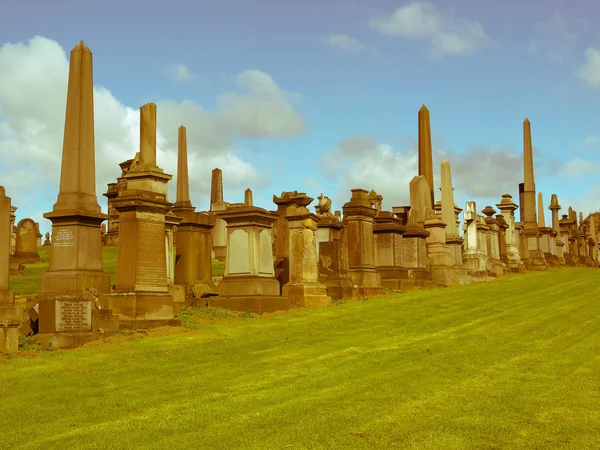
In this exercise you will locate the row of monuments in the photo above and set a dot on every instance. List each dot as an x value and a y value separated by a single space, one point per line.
274 259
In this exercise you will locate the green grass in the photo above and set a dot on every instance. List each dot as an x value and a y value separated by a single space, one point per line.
29 282
505 365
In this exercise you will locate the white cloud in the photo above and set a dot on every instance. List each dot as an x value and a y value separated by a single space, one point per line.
555 38
179 72
577 167
591 141
589 71
424 21
362 162
33 85
344 43
263 111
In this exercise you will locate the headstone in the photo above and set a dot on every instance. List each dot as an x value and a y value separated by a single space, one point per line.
27 248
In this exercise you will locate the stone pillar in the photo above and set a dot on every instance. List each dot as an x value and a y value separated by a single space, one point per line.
249 282
112 234
303 287
334 271
547 235
142 298
10 314
558 238
194 241
425 153
76 252
534 256
13 230
493 240
414 249
450 214
38 235
474 256
387 231
217 205
512 239
361 251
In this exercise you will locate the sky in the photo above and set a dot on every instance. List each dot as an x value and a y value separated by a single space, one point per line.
313 96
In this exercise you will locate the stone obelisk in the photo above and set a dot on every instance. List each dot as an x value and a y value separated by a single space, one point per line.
547 234
533 257
217 205
425 153
448 200
194 242
76 252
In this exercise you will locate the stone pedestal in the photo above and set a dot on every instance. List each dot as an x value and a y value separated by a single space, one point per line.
387 232
361 251
249 282
334 269
440 255
414 252
217 206
328 229
534 257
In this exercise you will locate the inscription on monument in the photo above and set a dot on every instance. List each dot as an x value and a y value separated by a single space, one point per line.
238 255
63 238
73 315
266 253
151 268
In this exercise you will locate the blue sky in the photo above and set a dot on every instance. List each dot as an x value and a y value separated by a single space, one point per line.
311 96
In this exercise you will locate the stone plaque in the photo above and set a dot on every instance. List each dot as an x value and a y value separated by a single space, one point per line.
71 315
238 255
151 262
266 253
63 238
409 252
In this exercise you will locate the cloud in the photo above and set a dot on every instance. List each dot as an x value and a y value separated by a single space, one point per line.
577 167
344 43
555 38
362 162
591 141
485 172
446 35
179 72
589 71
33 86
263 111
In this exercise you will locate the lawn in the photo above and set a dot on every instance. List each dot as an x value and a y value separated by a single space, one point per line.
28 283
510 364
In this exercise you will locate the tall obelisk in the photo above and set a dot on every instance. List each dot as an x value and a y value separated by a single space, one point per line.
534 257
448 215
425 154
76 252
183 185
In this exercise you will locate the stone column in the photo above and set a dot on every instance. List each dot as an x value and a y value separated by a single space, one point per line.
249 282
492 240
450 213
142 298
361 251
13 233
76 252
425 151
112 235
217 205
194 241
303 287
10 314
559 241
547 235
388 231
534 257
513 258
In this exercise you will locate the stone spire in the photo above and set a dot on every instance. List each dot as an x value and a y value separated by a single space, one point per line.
425 155
529 218
248 197
540 215
148 135
78 174
448 200
216 188
183 185
554 207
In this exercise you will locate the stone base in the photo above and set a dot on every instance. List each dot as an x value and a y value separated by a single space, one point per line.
449 276
421 277
254 303
74 282
242 286
395 278
15 268
306 295
365 291
498 268
66 339
10 319
367 282
141 310
220 253
339 289
26 258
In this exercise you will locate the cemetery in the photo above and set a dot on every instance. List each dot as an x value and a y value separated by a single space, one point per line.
291 290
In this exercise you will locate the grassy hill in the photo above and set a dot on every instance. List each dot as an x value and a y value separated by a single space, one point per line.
510 364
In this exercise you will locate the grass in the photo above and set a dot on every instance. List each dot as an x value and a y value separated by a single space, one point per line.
510 364
29 282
